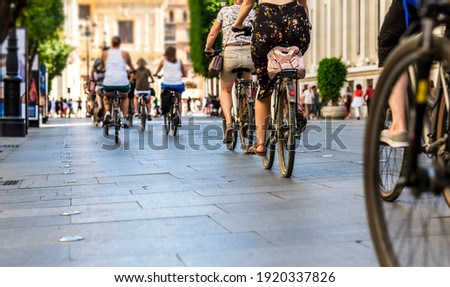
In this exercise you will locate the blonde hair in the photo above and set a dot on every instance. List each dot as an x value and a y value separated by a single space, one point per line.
141 63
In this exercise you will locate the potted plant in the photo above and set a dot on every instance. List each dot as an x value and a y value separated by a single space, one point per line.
331 76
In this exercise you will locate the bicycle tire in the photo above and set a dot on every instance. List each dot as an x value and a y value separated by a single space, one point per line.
246 124
143 115
175 121
286 116
442 128
413 231
232 145
117 124
167 122
269 158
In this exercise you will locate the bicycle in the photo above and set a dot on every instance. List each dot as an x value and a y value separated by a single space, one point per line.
142 109
412 231
116 119
242 113
285 124
172 115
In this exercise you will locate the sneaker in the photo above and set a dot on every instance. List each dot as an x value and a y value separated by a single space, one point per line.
395 140
107 118
149 117
228 136
136 115
125 123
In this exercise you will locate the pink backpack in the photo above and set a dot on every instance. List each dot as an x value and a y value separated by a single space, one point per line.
281 58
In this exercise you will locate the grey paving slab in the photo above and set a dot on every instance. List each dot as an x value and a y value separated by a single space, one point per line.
157 200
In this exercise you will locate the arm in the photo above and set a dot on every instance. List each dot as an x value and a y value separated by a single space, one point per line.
213 33
304 3
160 65
128 60
183 71
246 7
151 77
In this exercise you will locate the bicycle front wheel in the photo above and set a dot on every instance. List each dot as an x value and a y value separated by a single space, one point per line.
286 133
414 231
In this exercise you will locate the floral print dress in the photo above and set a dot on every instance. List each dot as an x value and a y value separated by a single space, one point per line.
286 24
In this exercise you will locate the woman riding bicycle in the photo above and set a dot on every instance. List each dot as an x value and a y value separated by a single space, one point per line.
236 55
277 22
141 76
116 78
172 74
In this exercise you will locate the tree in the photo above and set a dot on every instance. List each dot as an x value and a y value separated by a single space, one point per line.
43 20
331 76
54 53
9 11
203 15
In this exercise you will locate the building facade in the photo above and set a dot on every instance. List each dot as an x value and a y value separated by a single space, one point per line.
347 29
89 27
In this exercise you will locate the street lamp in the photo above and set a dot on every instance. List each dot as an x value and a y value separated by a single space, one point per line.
12 124
87 30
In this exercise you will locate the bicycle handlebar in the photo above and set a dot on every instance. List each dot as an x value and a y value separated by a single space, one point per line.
215 53
246 29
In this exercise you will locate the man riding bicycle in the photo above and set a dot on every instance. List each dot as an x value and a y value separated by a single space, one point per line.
115 62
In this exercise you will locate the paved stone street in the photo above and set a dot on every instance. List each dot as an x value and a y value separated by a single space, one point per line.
157 200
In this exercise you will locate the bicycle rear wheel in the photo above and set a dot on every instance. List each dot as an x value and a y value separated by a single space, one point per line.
175 121
167 121
246 124
269 158
416 230
232 144
116 126
286 133
143 115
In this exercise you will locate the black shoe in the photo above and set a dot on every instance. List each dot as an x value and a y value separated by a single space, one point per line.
228 137
149 117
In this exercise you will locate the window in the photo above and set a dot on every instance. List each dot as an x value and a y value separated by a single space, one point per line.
126 32
84 11
185 17
171 16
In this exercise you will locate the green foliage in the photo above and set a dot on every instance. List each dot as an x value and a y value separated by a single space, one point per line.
203 15
43 20
331 76
54 53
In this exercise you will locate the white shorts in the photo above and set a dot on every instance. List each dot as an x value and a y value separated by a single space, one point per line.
147 94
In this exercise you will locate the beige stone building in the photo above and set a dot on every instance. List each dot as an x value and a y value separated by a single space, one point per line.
346 29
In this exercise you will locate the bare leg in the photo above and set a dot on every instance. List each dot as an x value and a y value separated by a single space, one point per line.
136 105
106 103
262 113
397 103
124 105
225 100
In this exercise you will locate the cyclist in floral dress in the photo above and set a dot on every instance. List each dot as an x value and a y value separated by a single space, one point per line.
276 22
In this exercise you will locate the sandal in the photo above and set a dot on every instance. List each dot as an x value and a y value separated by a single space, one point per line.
254 149
228 137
